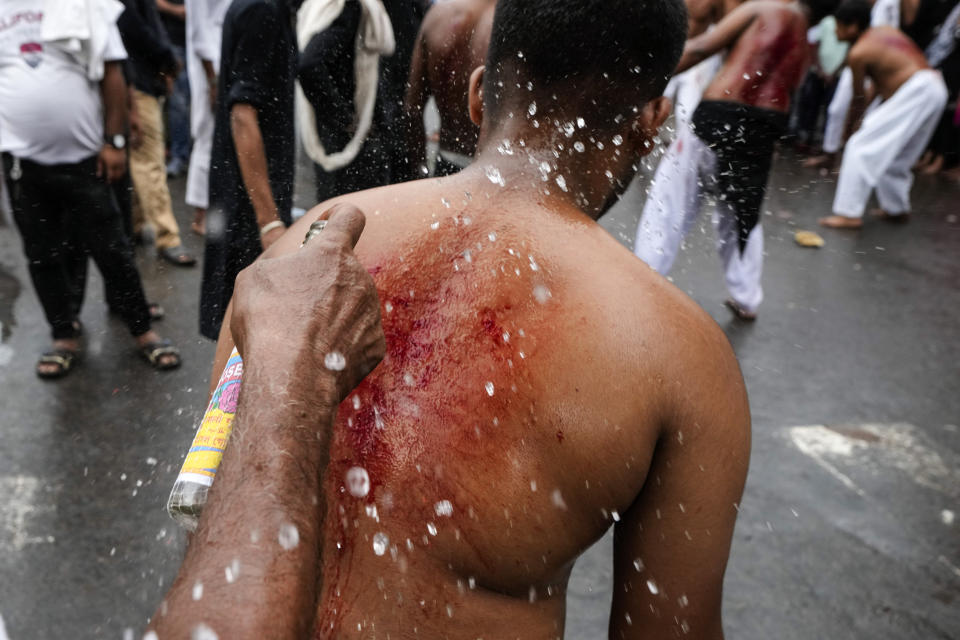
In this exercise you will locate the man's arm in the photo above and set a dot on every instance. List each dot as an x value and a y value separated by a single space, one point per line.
671 546
252 157
858 105
177 11
112 163
257 550
722 36
414 101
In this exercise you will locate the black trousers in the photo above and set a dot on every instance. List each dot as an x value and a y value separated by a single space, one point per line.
64 213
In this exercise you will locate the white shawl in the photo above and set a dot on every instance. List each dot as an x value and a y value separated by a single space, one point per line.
374 39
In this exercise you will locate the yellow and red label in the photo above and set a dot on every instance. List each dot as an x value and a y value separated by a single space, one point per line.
206 452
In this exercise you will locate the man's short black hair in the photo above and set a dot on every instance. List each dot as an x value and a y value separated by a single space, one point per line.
552 44
854 12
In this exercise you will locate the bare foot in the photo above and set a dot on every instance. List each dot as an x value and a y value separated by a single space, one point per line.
895 218
739 311
198 226
933 167
824 160
841 222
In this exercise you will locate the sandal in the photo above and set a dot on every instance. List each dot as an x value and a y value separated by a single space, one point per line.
154 353
177 256
63 359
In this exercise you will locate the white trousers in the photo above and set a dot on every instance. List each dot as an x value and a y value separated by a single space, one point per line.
882 152
686 89
686 173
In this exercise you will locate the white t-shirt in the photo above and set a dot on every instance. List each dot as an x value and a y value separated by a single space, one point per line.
50 112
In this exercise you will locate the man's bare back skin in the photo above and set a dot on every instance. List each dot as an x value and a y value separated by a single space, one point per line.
540 385
703 13
767 61
888 57
453 41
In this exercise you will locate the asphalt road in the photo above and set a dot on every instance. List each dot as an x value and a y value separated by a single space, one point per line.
846 530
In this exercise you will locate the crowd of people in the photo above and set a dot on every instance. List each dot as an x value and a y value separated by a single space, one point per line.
546 107
219 90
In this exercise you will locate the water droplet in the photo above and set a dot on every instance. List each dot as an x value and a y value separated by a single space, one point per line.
532 594
197 590
652 586
505 148
492 236
358 482
408 379
568 129
289 536
356 399
435 225
683 600
203 632
493 175
541 293
615 515
581 123
151 635
638 565
431 528
489 387
617 140
533 264
232 571
380 543
472 582
579 146
335 361
561 182
468 256
557 498
444 508
445 202
533 486
532 109
746 76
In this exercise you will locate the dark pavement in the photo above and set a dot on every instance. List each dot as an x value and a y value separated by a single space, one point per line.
846 530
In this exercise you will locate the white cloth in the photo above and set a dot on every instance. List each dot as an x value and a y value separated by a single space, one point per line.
887 145
83 29
685 174
51 112
374 39
686 89
946 40
883 13
204 34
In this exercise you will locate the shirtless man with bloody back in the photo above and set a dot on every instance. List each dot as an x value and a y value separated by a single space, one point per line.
895 133
730 149
452 42
540 384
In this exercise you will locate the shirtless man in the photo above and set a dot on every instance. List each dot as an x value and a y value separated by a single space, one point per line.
743 113
452 42
686 88
893 135
525 404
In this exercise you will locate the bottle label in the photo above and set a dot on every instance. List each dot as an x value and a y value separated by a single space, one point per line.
205 453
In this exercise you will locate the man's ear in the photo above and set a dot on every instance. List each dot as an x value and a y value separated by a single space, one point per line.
647 123
475 101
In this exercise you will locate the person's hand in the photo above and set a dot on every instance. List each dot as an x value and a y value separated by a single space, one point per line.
271 236
111 163
311 316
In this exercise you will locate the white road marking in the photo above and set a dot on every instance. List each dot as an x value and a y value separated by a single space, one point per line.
16 510
899 446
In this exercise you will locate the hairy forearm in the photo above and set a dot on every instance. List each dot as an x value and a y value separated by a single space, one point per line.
113 88
252 158
257 549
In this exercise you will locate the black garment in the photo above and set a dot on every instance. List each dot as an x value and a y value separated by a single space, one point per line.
742 137
812 98
257 67
930 15
147 45
176 29
55 205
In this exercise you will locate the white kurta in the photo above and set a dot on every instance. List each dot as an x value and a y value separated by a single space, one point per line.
204 31
884 13
685 173
882 152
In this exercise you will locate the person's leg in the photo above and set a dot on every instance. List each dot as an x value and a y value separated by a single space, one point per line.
742 270
178 118
150 177
39 218
836 119
673 202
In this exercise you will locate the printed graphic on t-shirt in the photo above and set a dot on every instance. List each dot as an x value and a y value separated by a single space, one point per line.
32 53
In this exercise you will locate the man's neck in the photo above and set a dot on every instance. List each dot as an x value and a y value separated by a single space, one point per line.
568 162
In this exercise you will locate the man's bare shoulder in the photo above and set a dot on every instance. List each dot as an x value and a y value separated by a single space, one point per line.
450 22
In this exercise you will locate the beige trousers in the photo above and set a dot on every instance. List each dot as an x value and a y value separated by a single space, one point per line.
149 172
